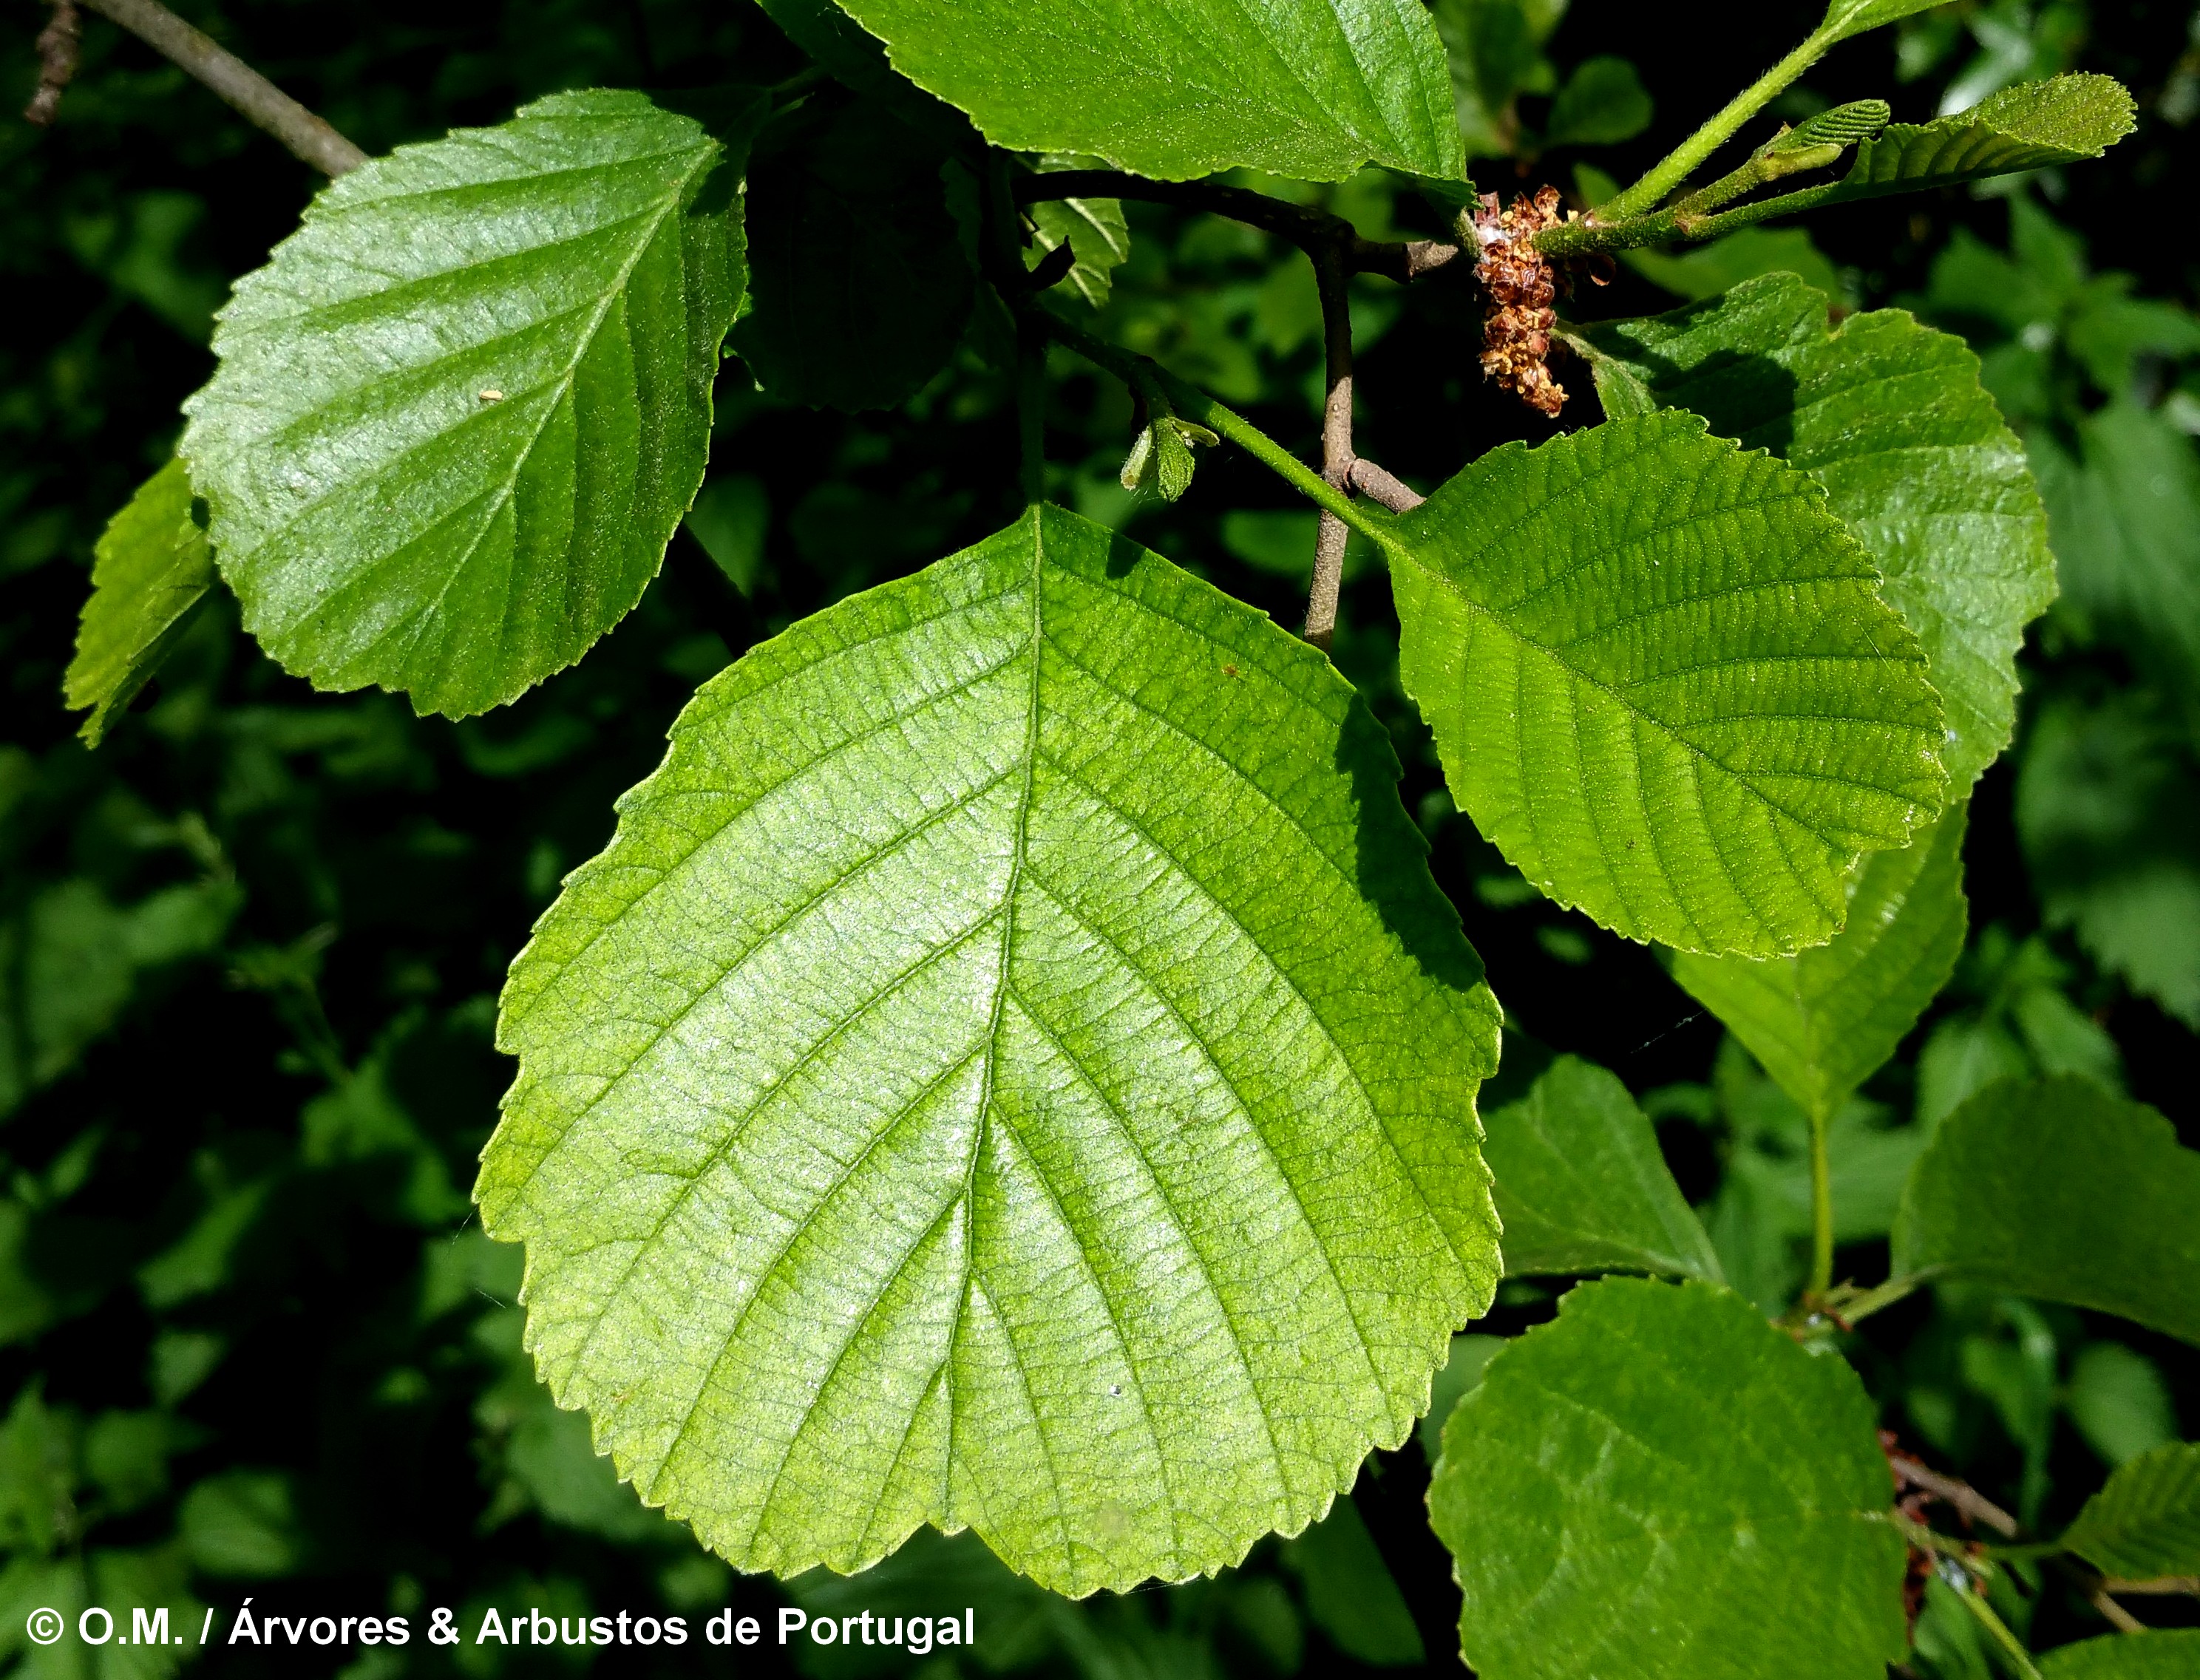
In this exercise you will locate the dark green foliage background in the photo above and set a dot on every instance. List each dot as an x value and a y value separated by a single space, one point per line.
256 1166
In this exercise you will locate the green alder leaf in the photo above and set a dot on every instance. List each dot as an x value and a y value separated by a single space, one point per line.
860 286
1093 228
1890 418
2062 119
1580 1183
1011 1069
1845 18
1602 103
2145 1523
1662 683
1310 89
1824 1020
2056 1190
2164 1654
461 411
151 570
1659 1484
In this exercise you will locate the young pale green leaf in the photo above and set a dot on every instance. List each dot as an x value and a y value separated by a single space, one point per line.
2165 1653
1311 89
149 572
1012 1068
2056 1190
860 288
1890 418
1824 1020
461 411
2062 119
1602 103
1660 1485
1662 682
1093 228
1581 1185
2145 1523
1845 18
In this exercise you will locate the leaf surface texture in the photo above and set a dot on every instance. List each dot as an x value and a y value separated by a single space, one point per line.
1661 682
1580 1183
1012 1068
2166 1654
1659 1484
461 411
1825 1020
2056 1190
2062 119
150 569
1890 418
1311 89
2145 1523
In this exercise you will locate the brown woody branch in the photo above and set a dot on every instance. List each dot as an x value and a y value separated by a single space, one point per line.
57 50
1332 282
1379 486
1966 1501
310 139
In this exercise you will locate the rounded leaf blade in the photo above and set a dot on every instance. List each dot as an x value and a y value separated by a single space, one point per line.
1659 1484
461 411
1662 682
1012 1069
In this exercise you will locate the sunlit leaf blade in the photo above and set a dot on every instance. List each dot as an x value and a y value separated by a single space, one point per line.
1581 1185
150 569
1011 1068
860 288
1661 1484
1824 1020
2145 1523
1890 417
2056 1190
2062 119
461 411
2165 1653
1662 683
1312 89
1853 17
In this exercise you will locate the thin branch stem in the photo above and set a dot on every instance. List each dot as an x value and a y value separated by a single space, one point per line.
266 106
1307 228
1851 1306
57 46
1330 535
1960 1496
1684 159
2019 1658
1394 494
1677 225
1164 390
2188 1585
2117 1616
1821 1210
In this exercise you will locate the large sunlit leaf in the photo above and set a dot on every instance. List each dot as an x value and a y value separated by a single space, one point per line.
1662 682
461 411
2145 1523
1660 1484
149 572
1312 89
2166 1654
1824 1020
2056 1190
1581 1185
1011 1068
2062 119
860 288
1890 418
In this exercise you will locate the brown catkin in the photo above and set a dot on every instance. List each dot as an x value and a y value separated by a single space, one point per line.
1516 331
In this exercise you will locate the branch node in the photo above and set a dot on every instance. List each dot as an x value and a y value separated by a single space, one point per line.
57 47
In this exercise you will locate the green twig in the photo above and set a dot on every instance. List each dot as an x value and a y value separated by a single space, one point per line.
2020 1659
1684 159
1821 1211
1165 392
